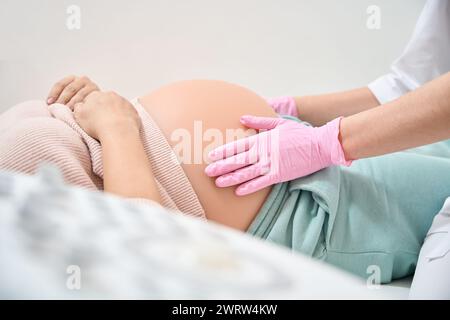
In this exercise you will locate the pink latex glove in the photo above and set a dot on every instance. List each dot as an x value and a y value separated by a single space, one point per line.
286 151
284 105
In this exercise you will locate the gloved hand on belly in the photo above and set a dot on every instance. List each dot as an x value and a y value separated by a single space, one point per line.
286 150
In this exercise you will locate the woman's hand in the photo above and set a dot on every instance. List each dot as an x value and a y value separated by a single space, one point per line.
71 90
113 121
104 114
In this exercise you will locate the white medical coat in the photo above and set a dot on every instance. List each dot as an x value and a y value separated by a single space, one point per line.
426 57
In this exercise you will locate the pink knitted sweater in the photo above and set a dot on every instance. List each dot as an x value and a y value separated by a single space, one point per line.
32 133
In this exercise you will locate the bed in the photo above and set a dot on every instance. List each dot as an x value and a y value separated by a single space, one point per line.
59 241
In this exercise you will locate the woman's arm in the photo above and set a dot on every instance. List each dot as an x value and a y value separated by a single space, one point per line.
417 118
126 169
320 109
113 121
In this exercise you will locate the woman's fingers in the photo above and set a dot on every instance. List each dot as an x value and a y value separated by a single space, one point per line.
58 88
71 90
81 95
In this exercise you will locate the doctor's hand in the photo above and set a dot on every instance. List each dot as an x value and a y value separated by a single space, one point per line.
285 151
71 90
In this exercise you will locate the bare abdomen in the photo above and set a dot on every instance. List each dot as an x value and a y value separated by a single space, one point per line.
197 115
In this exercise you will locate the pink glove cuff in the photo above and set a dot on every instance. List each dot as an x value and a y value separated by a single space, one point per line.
284 106
331 137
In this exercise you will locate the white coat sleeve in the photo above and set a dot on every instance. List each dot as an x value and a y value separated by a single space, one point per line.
426 56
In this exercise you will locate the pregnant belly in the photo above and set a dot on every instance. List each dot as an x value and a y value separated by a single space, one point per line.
196 116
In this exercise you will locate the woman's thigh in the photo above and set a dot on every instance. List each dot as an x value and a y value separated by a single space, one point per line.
196 116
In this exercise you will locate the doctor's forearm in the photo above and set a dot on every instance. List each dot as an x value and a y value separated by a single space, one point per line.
418 118
320 109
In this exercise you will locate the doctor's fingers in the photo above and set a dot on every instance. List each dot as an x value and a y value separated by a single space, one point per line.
243 175
81 95
255 185
232 163
232 148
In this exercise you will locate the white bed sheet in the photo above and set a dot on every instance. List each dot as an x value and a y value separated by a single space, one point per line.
128 250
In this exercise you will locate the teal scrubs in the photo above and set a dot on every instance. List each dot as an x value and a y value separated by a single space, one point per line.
375 213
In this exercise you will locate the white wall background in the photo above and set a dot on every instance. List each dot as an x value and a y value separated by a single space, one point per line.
274 47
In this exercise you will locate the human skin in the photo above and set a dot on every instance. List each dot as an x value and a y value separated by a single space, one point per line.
217 105
113 121
211 102
320 109
71 90
417 118
372 131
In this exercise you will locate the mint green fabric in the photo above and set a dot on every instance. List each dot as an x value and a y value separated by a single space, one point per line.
374 213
